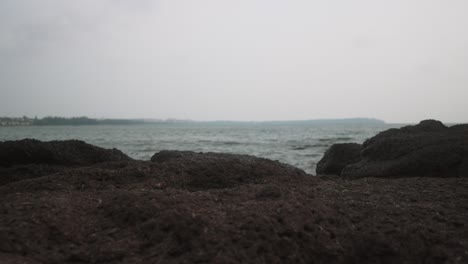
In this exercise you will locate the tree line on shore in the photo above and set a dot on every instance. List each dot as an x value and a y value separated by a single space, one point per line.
61 121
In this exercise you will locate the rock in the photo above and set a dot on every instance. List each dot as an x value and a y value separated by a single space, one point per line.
187 207
117 213
29 158
188 171
459 127
166 155
337 157
428 149
27 171
269 192
68 152
429 125
200 171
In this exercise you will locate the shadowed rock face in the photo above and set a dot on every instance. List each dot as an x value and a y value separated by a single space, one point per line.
337 157
68 152
29 158
427 149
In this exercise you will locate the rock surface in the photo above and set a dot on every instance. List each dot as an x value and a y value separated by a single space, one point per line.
429 149
185 207
337 157
30 158
69 152
200 171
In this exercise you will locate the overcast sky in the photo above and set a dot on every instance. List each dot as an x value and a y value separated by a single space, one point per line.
399 60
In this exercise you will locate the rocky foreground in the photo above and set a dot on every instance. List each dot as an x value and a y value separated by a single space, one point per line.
70 202
429 149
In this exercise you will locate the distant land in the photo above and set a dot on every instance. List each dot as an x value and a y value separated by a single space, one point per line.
65 121
77 121
310 121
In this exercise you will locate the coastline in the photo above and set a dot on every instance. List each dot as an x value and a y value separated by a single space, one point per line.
70 202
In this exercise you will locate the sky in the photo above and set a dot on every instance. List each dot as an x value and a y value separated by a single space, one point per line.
400 61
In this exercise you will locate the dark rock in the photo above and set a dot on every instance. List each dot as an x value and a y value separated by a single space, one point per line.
200 171
459 127
337 157
269 192
428 149
166 155
29 158
68 152
257 211
429 125
27 171
189 171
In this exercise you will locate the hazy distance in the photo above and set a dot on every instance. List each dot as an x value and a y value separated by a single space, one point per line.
400 61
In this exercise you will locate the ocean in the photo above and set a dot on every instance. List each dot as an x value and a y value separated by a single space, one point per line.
300 145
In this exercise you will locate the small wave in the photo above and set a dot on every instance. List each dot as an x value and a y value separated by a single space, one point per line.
231 143
315 155
309 146
302 147
146 150
219 142
321 145
166 141
335 139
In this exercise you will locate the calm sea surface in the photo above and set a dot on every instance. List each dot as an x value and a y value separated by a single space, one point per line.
299 145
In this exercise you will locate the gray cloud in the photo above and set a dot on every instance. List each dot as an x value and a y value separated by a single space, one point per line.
239 60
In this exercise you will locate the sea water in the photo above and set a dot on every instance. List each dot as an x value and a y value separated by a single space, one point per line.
300 145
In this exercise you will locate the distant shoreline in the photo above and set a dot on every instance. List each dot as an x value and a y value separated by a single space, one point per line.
78 121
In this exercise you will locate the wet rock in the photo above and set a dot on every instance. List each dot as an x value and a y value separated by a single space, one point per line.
337 157
429 149
68 152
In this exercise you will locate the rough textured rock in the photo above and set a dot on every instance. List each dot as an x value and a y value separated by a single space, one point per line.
427 149
337 157
166 155
197 171
133 212
186 207
68 152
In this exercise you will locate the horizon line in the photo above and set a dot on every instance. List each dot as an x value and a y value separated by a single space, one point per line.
239 121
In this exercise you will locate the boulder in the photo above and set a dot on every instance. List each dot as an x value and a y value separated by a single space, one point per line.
428 149
166 155
187 207
201 171
68 152
337 157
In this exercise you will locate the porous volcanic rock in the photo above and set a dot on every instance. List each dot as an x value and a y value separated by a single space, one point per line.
429 149
187 207
337 157
68 152
196 171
